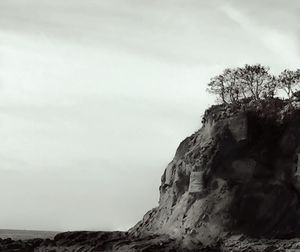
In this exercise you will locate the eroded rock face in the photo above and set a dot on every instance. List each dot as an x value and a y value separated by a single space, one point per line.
242 167
234 185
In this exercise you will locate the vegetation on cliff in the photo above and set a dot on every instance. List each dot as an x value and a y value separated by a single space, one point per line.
253 82
253 89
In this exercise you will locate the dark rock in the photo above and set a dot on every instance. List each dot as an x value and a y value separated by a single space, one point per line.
248 160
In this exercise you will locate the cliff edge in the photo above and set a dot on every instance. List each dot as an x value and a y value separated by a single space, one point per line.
238 174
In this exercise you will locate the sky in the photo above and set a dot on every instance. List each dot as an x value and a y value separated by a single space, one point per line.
95 97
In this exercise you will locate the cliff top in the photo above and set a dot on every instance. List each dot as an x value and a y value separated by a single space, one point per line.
277 109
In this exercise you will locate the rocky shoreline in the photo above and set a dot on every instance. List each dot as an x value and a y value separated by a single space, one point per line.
85 241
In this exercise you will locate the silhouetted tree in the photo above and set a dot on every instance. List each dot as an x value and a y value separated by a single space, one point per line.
257 81
250 81
217 86
225 86
289 81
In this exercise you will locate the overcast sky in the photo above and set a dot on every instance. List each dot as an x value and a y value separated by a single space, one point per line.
96 95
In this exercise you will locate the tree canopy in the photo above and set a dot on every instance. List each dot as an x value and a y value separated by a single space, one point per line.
253 82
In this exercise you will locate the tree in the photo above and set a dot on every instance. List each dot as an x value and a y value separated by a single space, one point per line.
257 82
217 86
270 88
250 81
289 81
225 86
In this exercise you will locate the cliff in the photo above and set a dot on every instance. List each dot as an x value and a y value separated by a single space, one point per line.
233 185
237 174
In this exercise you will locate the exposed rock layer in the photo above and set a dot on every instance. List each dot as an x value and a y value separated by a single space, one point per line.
248 157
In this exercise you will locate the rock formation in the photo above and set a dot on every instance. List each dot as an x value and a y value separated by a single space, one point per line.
232 186
238 174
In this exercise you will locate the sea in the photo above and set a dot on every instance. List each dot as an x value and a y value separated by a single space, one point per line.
26 234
